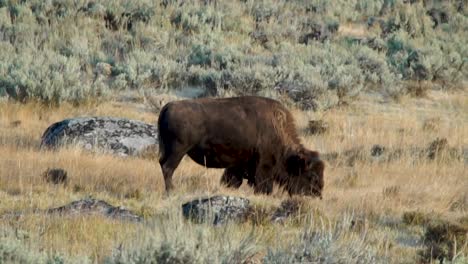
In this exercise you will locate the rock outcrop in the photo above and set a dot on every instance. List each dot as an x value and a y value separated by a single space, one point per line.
80 208
90 206
286 210
117 136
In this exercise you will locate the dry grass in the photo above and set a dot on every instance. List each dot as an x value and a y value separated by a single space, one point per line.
375 195
353 30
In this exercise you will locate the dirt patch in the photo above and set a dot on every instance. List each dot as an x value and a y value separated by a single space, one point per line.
432 124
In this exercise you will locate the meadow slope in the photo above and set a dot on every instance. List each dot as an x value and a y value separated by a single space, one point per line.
372 211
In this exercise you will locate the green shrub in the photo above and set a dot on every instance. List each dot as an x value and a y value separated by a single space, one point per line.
195 19
296 47
200 55
175 241
48 77
13 249
329 244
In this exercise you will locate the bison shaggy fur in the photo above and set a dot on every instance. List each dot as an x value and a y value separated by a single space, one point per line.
250 137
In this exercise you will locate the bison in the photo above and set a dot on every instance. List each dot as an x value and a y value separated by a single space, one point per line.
250 137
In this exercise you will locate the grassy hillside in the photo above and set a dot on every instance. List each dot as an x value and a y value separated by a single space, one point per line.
396 210
391 73
319 53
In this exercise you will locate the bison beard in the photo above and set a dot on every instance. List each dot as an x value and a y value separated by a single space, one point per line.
253 138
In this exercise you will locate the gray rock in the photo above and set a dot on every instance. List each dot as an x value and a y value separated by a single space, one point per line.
117 136
83 207
217 209
287 209
90 206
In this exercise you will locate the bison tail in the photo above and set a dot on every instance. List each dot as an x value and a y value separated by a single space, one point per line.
162 116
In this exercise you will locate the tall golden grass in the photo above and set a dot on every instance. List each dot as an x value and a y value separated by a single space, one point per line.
375 194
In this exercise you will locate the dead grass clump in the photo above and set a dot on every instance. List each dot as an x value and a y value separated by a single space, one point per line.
416 218
316 127
354 155
436 147
391 191
359 224
331 157
157 102
459 203
150 153
260 215
418 88
440 150
444 240
15 123
77 188
348 157
134 194
432 124
349 180
55 176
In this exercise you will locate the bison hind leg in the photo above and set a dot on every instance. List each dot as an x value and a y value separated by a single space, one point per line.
233 177
172 155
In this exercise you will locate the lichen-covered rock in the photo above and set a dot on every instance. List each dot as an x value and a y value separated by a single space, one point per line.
217 209
118 136
90 206
287 209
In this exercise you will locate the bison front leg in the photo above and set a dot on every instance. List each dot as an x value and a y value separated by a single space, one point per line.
233 177
263 180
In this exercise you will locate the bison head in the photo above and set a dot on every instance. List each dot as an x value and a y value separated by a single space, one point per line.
305 171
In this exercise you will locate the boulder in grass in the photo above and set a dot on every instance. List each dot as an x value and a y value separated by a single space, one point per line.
119 136
90 206
217 209
80 208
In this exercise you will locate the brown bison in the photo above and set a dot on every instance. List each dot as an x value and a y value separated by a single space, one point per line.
251 137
